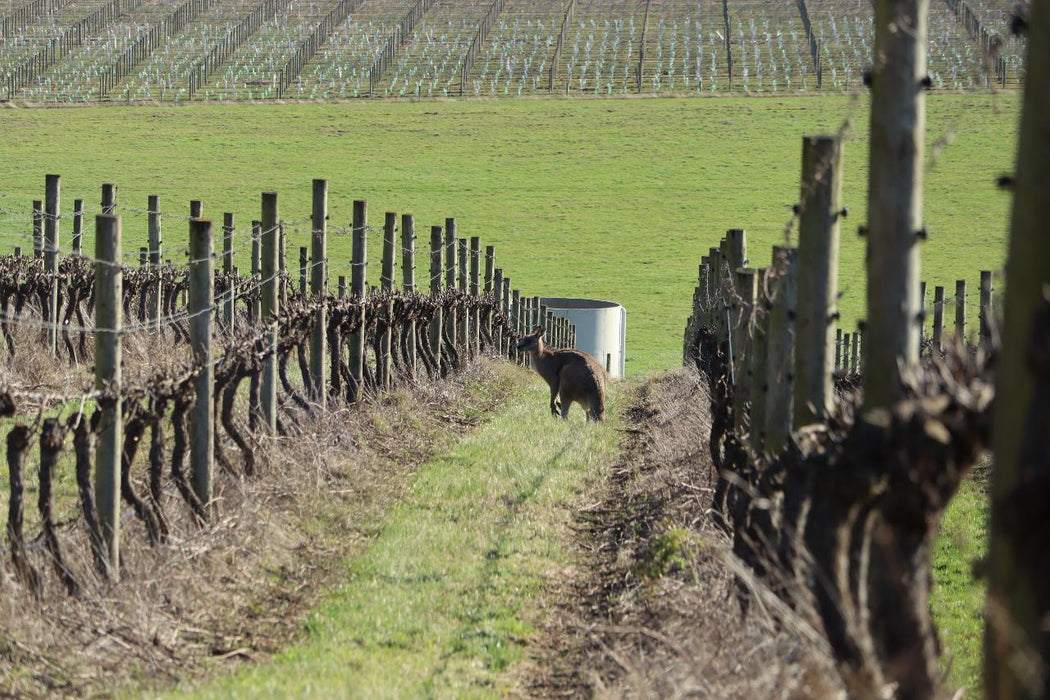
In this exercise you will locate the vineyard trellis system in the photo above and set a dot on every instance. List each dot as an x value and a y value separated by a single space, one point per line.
837 457
298 347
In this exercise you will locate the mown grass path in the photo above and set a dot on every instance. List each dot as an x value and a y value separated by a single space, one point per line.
441 604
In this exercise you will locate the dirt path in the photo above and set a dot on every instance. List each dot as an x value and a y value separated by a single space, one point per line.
651 607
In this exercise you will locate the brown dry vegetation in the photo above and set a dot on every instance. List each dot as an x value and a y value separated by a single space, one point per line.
234 591
652 608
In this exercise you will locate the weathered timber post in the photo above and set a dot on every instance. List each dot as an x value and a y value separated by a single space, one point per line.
895 179
282 264
156 301
838 349
847 368
227 269
436 269
462 320
408 276
854 352
1018 594
938 317
319 289
257 273
497 291
475 286
490 271
714 258
38 228
270 308
78 227
387 283
52 207
508 339
450 274
304 267
960 309
744 304
341 286
196 209
780 350
757 364
922 315
722 291
109 198
202 295
358 288
108 379
986 306
519 319
820 209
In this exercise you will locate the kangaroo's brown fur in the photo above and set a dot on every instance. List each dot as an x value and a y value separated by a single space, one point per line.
572 375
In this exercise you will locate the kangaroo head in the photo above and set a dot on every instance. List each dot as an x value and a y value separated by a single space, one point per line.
533 342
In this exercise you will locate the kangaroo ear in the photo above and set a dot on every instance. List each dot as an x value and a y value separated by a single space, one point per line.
539 330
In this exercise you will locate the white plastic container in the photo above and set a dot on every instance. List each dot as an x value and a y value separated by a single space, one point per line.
601 329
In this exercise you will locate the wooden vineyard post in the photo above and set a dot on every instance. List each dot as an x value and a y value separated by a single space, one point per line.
780 350
196 209
462 320
713 268
108 379
304 266
78 227
854 352
38 228
155 255
408 276
52 207
518 321
450 275
257 271
109 198
1017 648
490 270
475 288
744 303
436 270
497 292
722 293
269 309
508 339
282 265
757 364
386 361
227 269
895 181
319 289
820 210
938 318
960 309
838 349
922 315
986 306
202 294
359 261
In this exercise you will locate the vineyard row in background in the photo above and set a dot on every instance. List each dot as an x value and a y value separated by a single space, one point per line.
133 50
344 349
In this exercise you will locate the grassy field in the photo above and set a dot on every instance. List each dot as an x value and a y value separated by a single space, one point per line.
612 199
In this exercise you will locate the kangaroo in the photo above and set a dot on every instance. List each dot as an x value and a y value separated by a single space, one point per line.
572 375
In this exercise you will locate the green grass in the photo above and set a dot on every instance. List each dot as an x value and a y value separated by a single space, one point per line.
614 199
957 598
440 605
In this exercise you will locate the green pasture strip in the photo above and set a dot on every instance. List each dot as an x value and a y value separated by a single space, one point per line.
601 198
440 604
957 598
